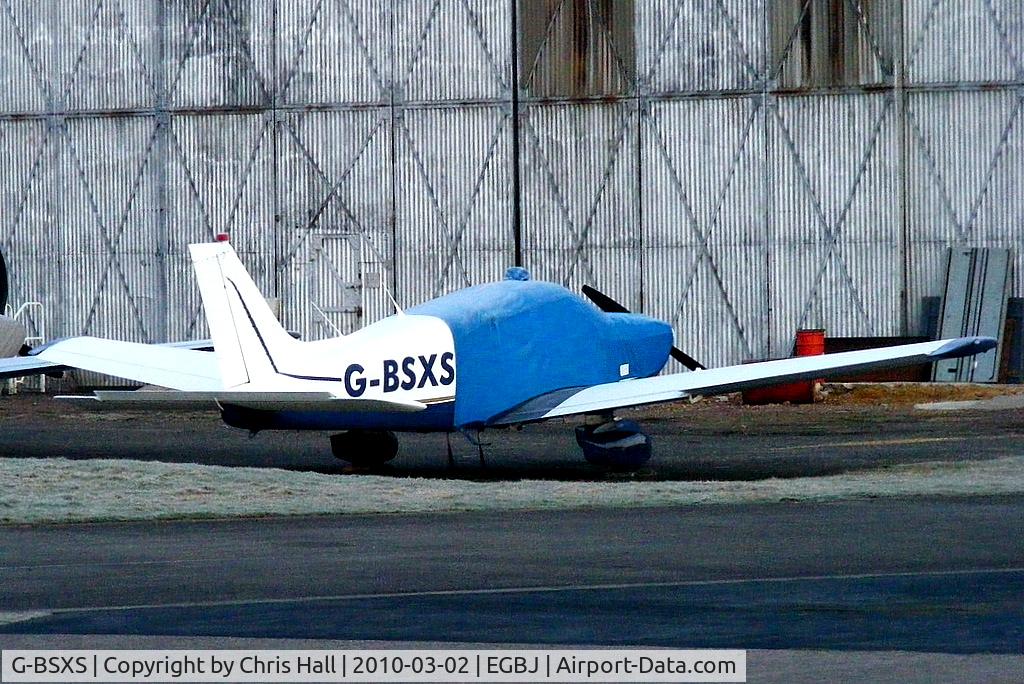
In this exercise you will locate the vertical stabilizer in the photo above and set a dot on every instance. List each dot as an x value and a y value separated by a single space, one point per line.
247 337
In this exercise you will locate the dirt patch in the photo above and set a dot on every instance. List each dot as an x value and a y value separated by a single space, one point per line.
910 393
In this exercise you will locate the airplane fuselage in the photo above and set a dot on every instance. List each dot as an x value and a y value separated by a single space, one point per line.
470 357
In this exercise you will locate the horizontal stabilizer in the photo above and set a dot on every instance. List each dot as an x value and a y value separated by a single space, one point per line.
264 401
180 369
651 390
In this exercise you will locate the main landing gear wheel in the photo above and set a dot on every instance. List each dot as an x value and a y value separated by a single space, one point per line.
365 448
618 444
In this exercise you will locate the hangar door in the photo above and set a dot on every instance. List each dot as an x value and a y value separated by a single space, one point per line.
346 285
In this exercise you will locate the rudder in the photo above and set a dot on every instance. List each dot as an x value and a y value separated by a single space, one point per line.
247 337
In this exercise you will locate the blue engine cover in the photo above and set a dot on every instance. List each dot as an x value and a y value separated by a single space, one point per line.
515 340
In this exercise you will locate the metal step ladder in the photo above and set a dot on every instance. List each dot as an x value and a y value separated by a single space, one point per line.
29 313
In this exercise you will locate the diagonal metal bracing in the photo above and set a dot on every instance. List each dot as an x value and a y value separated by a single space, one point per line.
775 70
332 195
663 41
364 47
885 64
435 201
579 234
463 220
915 49
246 174
577 251
1005 41
553 186
35 69
421 41
1004 139
964 226
730 24
193 186
717 15
500 75
303 46
26 186
862 20
531 72
129 37
178 153
247 52
243 180
90 31
112 236
172 86
833 232
1004 38
703 236
595 19
245 48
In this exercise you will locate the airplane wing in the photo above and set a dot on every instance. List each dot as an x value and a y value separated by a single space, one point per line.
20 366
167 366
640 391
33 364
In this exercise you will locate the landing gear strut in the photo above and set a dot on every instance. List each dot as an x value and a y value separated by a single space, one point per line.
365 448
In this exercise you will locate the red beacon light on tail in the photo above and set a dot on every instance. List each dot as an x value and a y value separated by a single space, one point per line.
222 237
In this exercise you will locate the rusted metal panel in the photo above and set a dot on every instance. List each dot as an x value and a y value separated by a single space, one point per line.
581 209
334 51
834 229
840 43
705 248
970 41
963 153
452 50
453 209
685 46
219 53
577 48
335 220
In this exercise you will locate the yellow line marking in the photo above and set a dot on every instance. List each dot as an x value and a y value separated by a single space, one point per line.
886 442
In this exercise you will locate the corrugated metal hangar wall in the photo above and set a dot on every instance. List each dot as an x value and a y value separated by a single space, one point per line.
742 168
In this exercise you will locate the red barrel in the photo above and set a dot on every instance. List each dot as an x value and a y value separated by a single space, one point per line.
808 343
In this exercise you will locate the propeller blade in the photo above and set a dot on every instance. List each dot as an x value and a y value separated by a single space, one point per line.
609 305
685 359
603 301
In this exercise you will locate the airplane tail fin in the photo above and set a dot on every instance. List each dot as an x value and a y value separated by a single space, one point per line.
247 337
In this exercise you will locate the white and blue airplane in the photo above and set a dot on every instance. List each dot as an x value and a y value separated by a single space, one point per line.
494 355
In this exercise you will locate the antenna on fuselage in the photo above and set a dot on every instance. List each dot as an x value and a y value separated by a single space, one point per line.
387 289
327 320
381 274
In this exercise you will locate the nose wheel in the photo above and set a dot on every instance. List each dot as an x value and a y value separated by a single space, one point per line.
365 448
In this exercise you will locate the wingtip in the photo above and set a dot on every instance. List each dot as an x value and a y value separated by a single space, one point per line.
964 346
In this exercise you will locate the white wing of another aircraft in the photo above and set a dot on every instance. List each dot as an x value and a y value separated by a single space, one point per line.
167 366
625 393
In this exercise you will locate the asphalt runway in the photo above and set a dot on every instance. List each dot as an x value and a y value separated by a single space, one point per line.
924 575
862 578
